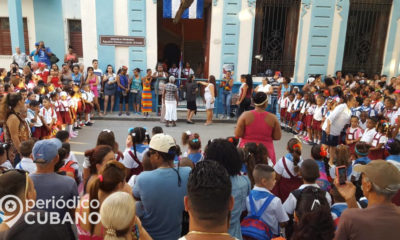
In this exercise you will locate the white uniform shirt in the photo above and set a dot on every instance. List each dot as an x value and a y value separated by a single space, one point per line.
379 138
31 115
48 115
280 168
26 164
290 204
368 135
88 96
273 215
318 116
362 125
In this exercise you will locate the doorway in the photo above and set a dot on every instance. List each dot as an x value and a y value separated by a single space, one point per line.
190 37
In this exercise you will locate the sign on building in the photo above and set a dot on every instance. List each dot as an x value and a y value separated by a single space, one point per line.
122 41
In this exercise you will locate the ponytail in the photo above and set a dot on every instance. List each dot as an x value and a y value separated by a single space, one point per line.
185 137
294 147
94 195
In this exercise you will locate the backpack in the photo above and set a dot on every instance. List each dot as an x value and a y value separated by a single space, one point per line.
139 169
337 210
67 168
252 226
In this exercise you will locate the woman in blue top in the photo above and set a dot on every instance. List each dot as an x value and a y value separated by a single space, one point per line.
194 146
136 90
224 152
285 87
77 77
123 89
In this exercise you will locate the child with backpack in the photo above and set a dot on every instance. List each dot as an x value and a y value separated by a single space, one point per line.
287 170
319 154
265 212
136 148
70 167
194 146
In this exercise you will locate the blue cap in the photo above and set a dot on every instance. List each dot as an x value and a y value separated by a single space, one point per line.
37 44
46 150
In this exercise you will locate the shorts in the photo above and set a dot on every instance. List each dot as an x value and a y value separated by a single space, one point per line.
316 125
329 140
137 97
122 98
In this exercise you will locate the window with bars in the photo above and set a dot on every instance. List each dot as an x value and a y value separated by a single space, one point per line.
275 36
5 36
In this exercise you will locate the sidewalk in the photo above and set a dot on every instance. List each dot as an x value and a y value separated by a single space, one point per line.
200 117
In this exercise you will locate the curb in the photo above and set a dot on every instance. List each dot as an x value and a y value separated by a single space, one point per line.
157 119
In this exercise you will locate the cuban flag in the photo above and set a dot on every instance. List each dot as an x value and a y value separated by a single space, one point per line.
195 11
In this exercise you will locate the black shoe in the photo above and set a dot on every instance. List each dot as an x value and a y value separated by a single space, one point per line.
78 127
88 124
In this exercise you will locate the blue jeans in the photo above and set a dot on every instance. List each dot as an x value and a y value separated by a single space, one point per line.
226 102
273 104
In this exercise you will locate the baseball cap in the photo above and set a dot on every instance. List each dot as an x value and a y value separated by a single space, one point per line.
162 142
37 44
46 150
42 64
381 173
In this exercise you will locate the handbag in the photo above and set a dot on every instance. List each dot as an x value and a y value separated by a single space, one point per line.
54 59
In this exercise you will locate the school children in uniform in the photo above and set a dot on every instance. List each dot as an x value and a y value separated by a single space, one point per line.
317 119
49 118
87 97
377 150
353 135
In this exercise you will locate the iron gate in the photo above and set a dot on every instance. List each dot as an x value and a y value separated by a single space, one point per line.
275 35
366 36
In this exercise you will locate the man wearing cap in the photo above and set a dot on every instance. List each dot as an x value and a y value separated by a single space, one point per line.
33 56
48 184
381 219
43 53
42 72
162 190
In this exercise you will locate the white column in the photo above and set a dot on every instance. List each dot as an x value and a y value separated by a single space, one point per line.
216 40
89 33
302 44
121 28
151 33
246 17
27 11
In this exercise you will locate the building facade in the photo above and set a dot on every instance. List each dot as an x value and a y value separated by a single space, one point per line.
298 37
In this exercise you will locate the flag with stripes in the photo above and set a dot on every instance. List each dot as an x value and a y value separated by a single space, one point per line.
195 11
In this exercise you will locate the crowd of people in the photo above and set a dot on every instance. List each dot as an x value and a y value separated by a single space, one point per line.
157 187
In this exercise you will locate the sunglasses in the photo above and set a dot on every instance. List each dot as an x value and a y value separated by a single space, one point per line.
23 172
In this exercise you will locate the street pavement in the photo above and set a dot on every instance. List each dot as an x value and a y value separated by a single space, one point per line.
88 135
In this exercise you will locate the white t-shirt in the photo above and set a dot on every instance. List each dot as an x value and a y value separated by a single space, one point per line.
266 90
273 215
368 135
280 168
26 164
290 204
7 165
98 72
339 118
318 116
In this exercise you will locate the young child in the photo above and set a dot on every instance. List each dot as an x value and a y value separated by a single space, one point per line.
156 130
310 172
287 170
309 108
317 119
49 118
26 162
284 104
136 148
361 150
253 154
390 110
376 104
319 154
353 135
194 146
393 148
65 112
289 111
70 167
339 205
370 132
377 150
363 120
262 198
296 109
78 107
34 120
342 158
87 97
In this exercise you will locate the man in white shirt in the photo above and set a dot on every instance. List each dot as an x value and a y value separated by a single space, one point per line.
19 57
309 170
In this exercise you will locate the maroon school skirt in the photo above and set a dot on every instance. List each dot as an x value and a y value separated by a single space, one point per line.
88 108
308 120
283 188
66 119
377 154
283 113
316 125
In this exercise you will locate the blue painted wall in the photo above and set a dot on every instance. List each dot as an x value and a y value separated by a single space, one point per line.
392 38
105 26
230 33
344 8
16 25
49 25
137 28
319 37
